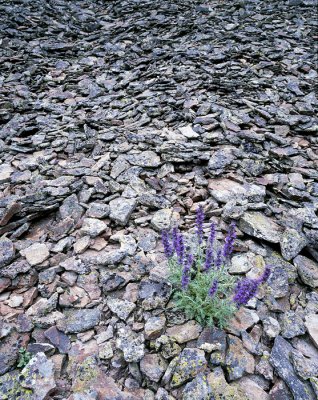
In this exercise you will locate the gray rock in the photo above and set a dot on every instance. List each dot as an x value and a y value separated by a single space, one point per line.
154 327
153 366
278 282
71 208
93 227
225 190
258 225
220 159
122 308
7 252
121 209
36 253
20 266
98 210
307 270
198 389
145 159
164 219
131 344
280 360
154 295
238 361
292 243
291 325
271 327
311 323
189 364
76 321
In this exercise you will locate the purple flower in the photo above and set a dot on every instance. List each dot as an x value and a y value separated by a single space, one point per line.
199 223
218 261
245 290
178 244
212 234
213 288
166 244
185 279
208 258
229 241
263 278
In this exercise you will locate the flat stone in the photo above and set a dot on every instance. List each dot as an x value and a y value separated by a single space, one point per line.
292 325
189 364
121 209
76 321
93 227
238 361
58 339
5 172
243 319
105 351
225 190
164 219
154 327
36 253
98 210
292 243
7 252
153 366
184 333
242 263
188 132
311 324
271 327
154 295
307 270
9 347
280 360
251 389
221 389
258 225
146 159
122 308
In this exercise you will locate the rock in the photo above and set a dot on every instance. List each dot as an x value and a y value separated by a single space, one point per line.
122 308
131 344
58 339
36 253
188 132
76 265
280 360
311 324
71 208
89 376
243 319
164 219
98 210
198 389
42 307
278 282
307 270
242 263
292 243
264 367
280 391
153 366
169 347
7 252
106 351
154 327
220 159
5 172
271 327
190 363
121 209
93 227
76 321
221 389
39 376
184 333
146 159
291 325
238 361
258 225
251 389
9 347
305 367
224 190
154 295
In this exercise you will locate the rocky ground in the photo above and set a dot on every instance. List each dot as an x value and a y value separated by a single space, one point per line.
120 118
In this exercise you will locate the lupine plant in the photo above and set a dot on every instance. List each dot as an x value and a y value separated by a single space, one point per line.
203 287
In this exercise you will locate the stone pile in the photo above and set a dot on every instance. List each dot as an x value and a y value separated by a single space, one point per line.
117 120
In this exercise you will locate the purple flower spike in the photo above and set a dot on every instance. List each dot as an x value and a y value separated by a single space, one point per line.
213 288
245 290
266 274
166 244
185 279
208 258
229 241
199 223
178 244
218 261
212 234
